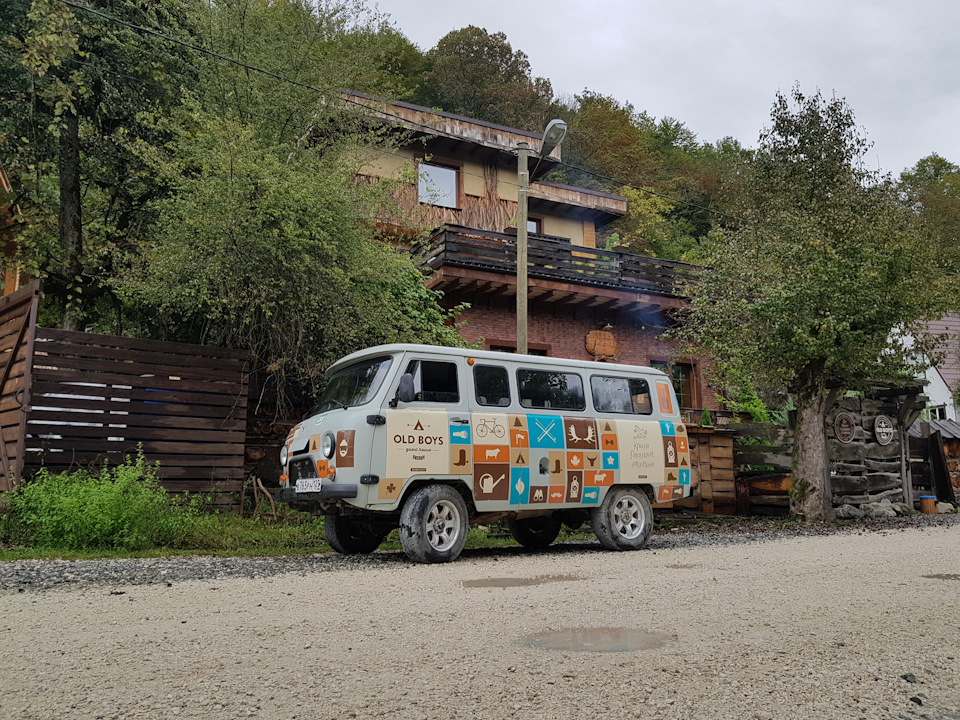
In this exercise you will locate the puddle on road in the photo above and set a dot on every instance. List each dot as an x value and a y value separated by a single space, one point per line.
518 582
608 640
942 577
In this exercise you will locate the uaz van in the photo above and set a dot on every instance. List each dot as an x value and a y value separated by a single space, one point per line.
434 439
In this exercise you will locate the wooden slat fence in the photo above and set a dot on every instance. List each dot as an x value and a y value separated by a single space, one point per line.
18 315
73 399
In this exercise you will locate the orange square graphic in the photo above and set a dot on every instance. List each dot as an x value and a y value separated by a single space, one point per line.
598 478
491 454
575 461
323 468
557 493
681 444
664 493
608 443
519 438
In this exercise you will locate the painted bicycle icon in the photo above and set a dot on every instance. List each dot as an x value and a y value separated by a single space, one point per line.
488 426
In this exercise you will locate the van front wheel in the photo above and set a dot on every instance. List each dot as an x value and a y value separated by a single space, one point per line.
349 535
536 532
433 524
624 520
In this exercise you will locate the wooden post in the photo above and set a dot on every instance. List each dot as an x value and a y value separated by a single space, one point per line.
905 467
523 180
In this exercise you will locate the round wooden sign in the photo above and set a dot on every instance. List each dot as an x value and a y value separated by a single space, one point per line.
844 426
883 429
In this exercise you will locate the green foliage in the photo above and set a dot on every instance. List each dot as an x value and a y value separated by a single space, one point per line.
115 508
478 74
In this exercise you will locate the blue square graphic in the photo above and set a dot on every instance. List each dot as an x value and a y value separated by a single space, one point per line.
591 496
611 461
546 431
519 486
459 434
666 428
684 477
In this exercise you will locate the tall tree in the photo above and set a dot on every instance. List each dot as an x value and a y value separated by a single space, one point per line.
79 90
820 284
479 74
933 185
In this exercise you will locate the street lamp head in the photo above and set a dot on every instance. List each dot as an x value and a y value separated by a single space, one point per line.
553 136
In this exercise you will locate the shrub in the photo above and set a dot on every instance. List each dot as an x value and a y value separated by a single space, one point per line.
122 508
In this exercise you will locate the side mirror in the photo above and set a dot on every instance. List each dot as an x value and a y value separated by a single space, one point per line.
405 391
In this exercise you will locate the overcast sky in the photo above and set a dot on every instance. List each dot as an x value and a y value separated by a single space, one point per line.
717 65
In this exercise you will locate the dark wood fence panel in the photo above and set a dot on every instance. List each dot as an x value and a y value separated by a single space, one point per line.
18 315
101 397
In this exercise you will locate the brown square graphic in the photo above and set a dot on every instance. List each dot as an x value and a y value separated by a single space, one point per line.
539 494
671 476
389 489
491 482
608 426
344 451
581 433
592 461
670 455
460 461
574 485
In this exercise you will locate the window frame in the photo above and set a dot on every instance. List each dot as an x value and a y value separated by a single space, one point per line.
476 388
446 165
630 395
583 394
419 371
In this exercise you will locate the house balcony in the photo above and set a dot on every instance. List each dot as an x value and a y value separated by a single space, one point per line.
462 260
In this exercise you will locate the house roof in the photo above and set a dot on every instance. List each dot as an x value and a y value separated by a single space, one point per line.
454 134
948 429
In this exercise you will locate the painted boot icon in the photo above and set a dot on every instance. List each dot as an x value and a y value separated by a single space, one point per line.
463 458
556 468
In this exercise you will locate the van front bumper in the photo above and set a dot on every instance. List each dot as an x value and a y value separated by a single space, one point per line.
327 492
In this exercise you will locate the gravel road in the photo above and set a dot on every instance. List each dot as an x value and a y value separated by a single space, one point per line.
743 622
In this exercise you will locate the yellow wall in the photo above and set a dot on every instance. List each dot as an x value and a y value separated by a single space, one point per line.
391 166
473 183
564 227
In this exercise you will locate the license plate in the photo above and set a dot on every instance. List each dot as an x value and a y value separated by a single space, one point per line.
308 485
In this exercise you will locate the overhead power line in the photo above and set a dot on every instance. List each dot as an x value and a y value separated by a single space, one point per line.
406 121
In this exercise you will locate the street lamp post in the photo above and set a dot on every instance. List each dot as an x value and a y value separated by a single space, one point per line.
552 137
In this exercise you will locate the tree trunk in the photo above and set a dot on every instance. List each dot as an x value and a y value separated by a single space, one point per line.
810 494
70 224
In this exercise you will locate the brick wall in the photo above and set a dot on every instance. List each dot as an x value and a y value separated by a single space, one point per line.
561 331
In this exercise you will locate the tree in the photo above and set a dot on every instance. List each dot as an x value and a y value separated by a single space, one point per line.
78 91
933 185
818 286
478 74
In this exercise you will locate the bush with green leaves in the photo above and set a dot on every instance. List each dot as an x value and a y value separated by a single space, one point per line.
118 508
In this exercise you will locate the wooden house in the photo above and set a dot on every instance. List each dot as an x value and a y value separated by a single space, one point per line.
457 186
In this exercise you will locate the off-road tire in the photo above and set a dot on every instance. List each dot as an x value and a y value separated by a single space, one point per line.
624 520
349 535
433 524
535 533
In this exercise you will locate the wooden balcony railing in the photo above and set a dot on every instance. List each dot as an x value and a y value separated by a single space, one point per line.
554 259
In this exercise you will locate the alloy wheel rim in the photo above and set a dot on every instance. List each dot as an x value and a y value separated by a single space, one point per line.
629 518
443 525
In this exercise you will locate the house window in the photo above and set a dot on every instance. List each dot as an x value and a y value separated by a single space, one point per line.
938 412
438 184
684 379
541 350
535 226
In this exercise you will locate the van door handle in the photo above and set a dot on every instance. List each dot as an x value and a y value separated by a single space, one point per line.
460 420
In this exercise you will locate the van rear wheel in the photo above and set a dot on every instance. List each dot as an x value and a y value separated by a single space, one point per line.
433 524
349 535
624 520
536 532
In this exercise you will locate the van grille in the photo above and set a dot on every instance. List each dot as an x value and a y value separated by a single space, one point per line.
303 468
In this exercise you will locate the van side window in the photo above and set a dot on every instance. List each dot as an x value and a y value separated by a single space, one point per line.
621 395
492 385
434 381
550 390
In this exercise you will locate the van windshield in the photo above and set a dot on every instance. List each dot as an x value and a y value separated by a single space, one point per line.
353 385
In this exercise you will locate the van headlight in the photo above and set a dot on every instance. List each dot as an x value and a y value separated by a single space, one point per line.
284 454
328 445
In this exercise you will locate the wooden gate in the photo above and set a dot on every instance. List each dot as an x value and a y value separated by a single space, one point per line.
18 318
